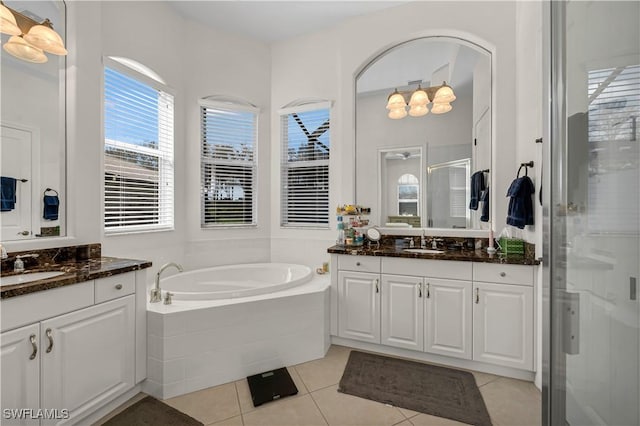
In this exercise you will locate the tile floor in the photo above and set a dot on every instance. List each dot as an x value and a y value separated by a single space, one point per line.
510 402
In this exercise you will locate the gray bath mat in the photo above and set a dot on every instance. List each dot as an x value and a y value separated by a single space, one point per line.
439 391
151 412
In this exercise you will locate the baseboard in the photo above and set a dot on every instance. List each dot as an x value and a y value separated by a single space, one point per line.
513 373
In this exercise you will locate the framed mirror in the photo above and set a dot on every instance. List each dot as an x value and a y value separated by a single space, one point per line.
425 159
33 132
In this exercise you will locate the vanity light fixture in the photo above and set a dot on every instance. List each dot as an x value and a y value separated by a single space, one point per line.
30 39
440 97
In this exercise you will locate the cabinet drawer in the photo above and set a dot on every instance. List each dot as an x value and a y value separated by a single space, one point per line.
450 269
504 274
359 263
116 286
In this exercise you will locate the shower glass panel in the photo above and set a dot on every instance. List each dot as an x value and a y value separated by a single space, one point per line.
448 194
595 214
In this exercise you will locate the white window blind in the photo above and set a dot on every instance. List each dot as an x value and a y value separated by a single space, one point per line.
228 166
458 178
614 153
305 168
138 154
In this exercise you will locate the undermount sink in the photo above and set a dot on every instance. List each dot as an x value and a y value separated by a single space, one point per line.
28 277
424 251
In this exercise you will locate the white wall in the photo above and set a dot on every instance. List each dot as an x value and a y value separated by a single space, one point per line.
195 62
324 64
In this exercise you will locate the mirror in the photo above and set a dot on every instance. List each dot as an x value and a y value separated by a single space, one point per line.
33 134
424 163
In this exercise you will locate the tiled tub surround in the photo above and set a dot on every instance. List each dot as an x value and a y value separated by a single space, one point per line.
76 341
79 264
195 344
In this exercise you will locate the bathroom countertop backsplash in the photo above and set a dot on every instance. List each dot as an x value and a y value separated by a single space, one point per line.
460 253
78 264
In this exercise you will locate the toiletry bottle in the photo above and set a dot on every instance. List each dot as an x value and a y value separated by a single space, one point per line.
340 241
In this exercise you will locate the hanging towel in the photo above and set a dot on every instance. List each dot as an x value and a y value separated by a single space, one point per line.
51 206
477 186
520 212
485 206
7 193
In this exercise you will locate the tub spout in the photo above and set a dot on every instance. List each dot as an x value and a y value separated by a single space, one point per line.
156 293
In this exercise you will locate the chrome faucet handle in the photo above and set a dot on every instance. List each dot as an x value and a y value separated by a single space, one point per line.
167 298
3 252
156 295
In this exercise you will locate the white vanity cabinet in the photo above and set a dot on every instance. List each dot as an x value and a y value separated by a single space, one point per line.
20 370
359 306
448 317
503 323
78 360
402 312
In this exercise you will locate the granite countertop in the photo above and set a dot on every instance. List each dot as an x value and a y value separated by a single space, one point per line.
74 272
460 255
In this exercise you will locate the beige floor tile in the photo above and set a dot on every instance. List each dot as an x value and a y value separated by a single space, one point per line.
121 408
297 411
233 421
404 423
408 413
244 394
512 402
209 405
342 409
427 420
326 371
484 378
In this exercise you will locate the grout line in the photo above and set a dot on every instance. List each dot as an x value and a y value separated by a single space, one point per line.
490 381
235 385
319 409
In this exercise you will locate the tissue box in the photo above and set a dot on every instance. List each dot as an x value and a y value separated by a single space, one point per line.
510 246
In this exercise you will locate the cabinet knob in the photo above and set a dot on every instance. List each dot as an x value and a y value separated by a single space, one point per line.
118 286
357 263
503 274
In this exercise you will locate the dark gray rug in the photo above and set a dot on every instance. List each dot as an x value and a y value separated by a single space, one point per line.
151 412
429 389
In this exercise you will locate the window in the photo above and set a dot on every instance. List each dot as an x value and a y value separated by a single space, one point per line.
228 166
138 152
305 166
408 195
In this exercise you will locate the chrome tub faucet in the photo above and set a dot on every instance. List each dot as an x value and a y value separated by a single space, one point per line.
156 293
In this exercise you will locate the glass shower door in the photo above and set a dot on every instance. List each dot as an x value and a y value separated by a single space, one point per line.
595 214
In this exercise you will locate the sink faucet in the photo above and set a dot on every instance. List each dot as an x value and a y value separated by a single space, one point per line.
18 265
423 241
156 293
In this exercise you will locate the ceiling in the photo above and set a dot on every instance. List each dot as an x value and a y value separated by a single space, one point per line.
271 21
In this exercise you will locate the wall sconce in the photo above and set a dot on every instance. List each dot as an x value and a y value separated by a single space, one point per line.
440 97
29 39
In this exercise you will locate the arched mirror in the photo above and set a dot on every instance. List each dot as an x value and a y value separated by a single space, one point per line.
423 105
33 132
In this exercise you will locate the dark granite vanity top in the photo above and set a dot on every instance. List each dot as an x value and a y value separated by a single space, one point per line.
76 268
479 255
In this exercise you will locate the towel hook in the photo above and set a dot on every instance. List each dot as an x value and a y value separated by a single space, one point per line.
526 168
49 189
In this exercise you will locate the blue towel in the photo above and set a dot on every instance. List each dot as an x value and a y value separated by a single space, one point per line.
51 205
485 207
7 193
520 212
477 186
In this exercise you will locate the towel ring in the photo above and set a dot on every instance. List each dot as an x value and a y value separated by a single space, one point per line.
49 189
526 168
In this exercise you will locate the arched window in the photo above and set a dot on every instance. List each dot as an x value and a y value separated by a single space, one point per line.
408 195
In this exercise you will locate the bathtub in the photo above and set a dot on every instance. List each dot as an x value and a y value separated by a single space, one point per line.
230 322
232 281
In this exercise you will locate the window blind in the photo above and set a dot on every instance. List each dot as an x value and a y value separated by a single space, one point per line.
458 178
228 166
613 203
305 168
138 155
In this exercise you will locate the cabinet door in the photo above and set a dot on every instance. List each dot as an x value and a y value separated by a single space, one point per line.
402 312
88 357
503 325
448 317
20 367
359 306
